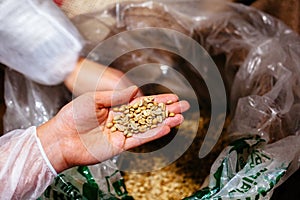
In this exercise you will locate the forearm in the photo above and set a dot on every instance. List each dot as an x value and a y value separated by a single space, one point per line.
25 171
89 76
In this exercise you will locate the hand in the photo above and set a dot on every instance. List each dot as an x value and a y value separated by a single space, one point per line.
89 76
78 135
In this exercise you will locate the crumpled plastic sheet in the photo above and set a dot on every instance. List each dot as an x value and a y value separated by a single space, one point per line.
260 69
28 103
249 169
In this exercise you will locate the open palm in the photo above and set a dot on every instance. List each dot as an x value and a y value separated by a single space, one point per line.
87 140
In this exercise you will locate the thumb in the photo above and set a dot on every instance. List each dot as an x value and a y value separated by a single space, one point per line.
116 97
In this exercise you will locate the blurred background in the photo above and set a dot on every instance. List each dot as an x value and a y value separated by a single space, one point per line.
288 11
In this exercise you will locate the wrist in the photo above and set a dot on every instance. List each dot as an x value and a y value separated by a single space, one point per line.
71 78
52 145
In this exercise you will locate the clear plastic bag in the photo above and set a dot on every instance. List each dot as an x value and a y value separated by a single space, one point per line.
260 68
28 103
101 181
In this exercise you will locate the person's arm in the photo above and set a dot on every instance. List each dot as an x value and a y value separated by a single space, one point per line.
77 135
38 40
89 76
25 171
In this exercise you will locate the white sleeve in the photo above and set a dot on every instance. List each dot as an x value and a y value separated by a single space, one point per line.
25 171
38 40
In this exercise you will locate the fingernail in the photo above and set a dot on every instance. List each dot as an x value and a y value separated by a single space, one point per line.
184 105
134 89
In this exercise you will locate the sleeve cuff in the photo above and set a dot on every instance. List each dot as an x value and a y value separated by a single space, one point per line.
43 153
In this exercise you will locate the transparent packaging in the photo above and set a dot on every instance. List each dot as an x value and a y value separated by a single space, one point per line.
258 59
259 65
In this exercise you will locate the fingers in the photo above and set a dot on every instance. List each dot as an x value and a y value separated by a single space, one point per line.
112 98
153 134
164 98
173 121
150 135
174 106
132 95
178 107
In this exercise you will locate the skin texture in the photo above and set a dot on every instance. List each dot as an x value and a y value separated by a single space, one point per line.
89 76
78 135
